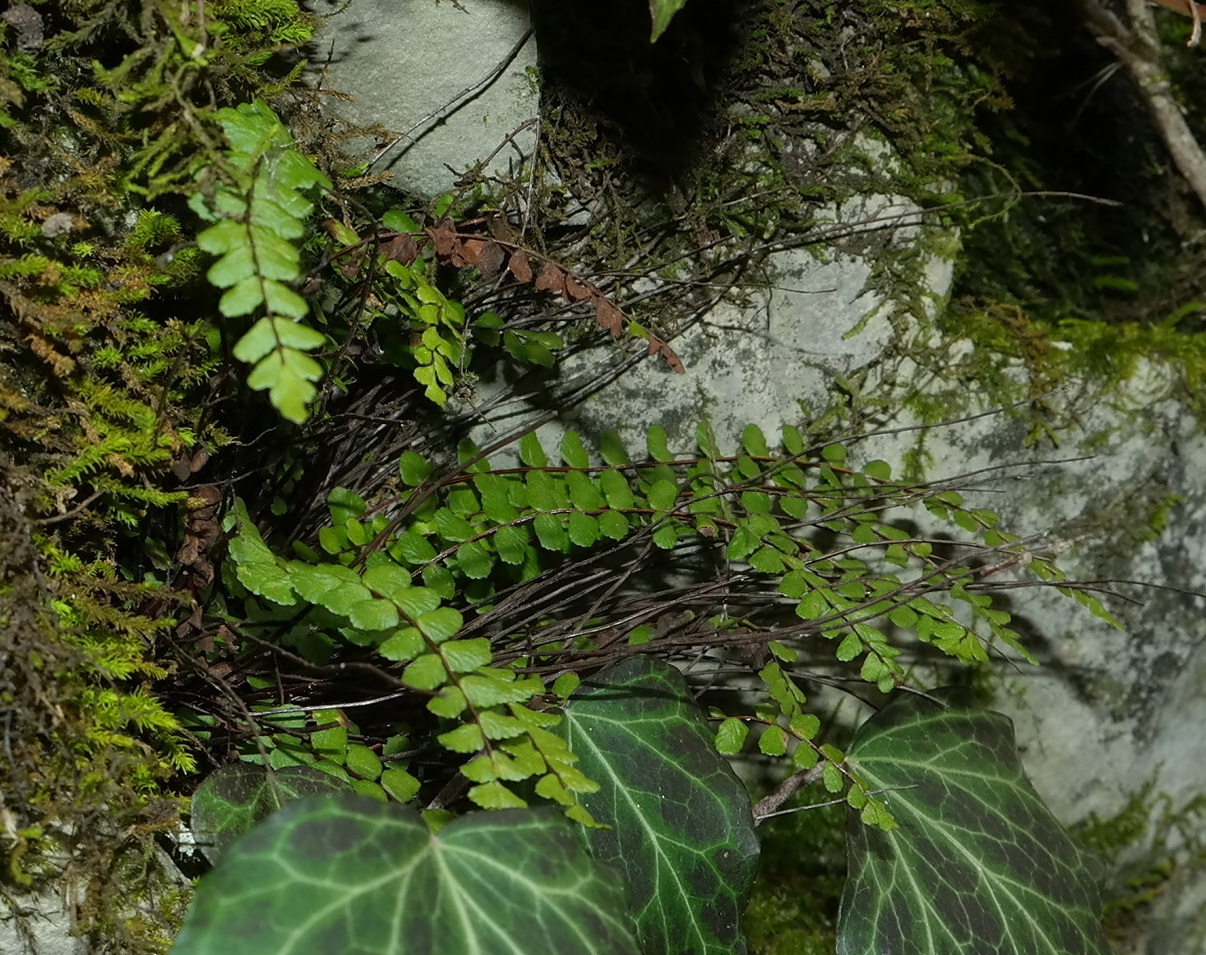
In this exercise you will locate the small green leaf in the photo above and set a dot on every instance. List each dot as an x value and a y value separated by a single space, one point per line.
754 441
549 531
412 548
452 527
572 451
362 761
449 703
466 738
416 601
793 441
663 495
475 560
259 341
465 656
616 489
404 645
425 673
373 614
565 684
655 441
640 635
331 743
512 544
584 494
440 624
495 795
583 529
835 454
665 537
388 579
414 469
773 741
491 687
880 470
612 450
399 221
400 784
731 736
850 647
613 524
767 561
530 451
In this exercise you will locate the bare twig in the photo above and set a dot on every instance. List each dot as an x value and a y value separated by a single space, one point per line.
1136 46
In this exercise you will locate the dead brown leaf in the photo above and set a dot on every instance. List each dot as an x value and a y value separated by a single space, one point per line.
519 266
551 279
401 248
490 260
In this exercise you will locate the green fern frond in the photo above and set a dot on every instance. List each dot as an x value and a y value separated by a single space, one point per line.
259 211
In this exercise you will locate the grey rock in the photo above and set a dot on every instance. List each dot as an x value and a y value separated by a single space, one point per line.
450 83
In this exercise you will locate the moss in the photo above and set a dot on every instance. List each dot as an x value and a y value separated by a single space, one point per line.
1145 845
793 910
105 401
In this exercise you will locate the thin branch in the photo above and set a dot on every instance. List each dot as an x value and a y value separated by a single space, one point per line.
1136 46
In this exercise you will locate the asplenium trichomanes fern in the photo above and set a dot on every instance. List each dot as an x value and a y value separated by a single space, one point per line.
258 200
805 546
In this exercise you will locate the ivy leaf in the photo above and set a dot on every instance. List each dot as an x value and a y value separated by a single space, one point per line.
349 874
681 830
232 799
977 862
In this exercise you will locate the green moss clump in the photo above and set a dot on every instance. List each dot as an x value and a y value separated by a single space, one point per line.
794 907
107 110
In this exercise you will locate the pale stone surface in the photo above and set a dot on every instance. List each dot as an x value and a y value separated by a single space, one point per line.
747 364
1109 710
417 68
45 916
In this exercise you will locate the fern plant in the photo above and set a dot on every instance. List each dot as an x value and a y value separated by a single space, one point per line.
259 207
425 592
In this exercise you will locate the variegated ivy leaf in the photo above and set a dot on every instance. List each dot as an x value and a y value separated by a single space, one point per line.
977 862
682 831
349 874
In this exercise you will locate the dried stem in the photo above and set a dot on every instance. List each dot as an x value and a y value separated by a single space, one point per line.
1136 46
